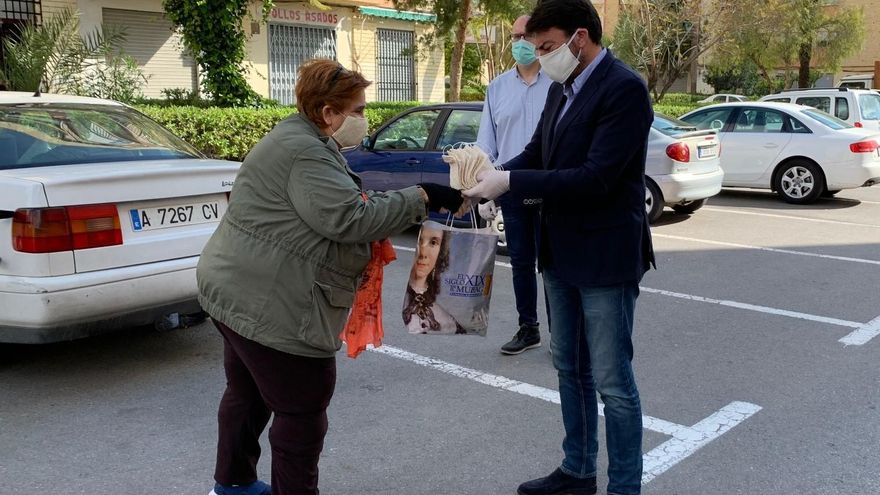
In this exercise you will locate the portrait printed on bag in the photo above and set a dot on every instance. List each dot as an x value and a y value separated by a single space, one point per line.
421 311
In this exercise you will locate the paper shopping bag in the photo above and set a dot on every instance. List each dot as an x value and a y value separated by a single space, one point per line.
450 283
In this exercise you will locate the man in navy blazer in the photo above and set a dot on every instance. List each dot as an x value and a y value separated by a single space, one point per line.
587 161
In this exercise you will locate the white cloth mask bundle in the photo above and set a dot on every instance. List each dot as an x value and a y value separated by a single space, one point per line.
465 163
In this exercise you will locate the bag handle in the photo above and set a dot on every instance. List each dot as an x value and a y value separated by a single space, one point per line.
474 213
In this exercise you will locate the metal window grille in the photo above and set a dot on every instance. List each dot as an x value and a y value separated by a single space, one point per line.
396 65
15 13
290 47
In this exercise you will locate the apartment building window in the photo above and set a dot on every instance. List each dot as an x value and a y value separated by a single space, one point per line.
395 58
289 47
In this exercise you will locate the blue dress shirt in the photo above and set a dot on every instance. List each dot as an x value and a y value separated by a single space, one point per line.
510 114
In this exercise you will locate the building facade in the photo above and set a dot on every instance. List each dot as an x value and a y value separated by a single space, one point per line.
865 61
366 35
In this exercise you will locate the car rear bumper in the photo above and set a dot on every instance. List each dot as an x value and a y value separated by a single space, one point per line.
52 309
850 177
681 187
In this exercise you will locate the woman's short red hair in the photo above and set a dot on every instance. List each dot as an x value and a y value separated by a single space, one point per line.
321 82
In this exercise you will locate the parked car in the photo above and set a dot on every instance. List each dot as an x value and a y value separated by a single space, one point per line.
408 149
859 107
103 214
723 98
683 167
858 81
800 152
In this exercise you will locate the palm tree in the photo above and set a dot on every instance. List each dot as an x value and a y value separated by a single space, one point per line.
53 56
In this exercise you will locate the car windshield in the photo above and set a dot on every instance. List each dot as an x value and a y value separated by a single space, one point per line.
41 134
826 119
870 103
670 126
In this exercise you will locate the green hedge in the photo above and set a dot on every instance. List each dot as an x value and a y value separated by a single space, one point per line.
229 133
674 110
681 99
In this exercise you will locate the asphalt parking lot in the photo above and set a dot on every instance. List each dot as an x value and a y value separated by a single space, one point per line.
757 350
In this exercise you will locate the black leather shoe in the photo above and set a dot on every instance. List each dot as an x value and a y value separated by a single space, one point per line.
558 483
528 337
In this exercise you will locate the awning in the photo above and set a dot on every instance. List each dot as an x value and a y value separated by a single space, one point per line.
403 15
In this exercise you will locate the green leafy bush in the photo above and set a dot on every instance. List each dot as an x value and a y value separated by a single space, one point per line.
116 77
681 99
213 32
674 110
229 133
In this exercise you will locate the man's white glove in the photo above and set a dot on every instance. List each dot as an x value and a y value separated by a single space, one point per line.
491 184
488 210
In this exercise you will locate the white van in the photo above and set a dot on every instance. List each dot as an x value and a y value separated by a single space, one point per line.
859 107
858 81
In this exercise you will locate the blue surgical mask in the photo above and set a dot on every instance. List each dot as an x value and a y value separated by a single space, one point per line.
523 52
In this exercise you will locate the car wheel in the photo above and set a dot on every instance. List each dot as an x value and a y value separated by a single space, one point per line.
689 207
653 201
799 182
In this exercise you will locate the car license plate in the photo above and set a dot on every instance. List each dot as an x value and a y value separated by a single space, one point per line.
710 151
161 217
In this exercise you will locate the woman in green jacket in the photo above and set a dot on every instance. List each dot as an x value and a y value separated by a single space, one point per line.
278 278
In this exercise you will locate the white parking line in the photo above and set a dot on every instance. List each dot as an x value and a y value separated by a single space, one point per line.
864 334
685 439
692 438
787 217
755 307
767 249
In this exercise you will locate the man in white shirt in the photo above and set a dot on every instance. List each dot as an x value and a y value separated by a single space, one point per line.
511 111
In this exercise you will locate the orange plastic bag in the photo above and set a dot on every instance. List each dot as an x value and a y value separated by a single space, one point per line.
364 324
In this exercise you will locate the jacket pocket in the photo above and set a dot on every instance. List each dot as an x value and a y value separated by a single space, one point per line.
330 308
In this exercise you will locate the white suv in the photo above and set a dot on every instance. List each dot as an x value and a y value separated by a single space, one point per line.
859 107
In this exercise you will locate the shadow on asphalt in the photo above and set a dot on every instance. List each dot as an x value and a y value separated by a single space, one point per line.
671 218
753 198
108 350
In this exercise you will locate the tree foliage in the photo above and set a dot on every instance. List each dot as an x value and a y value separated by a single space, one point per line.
784 35
738 78
454 17
663 38
213 31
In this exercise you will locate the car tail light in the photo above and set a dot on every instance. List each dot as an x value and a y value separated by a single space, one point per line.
858 124
94 226
50 230
679 152
868 146
41 230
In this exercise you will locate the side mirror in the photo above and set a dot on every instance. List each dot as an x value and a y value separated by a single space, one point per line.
366 144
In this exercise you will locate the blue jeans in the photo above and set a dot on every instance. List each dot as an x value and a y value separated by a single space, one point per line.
521 231
592 348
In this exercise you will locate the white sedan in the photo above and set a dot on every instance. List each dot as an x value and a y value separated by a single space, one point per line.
683 167
103 215
682 170
722 98
798 151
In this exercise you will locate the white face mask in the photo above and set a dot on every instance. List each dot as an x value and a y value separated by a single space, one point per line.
351 132
560 63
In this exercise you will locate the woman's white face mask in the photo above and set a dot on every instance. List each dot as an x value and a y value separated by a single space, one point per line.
351 132
560 63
